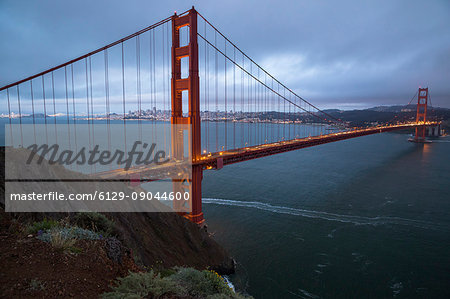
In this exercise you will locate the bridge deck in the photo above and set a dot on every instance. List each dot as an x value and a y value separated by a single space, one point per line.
253 152
220 159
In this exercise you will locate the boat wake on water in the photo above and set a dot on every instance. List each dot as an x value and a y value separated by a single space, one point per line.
357 220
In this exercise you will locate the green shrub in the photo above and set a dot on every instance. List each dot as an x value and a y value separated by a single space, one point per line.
66 233
43 225
218 283
185 282
96 222
75 250
60 241
139 285
36 285
201 283
167 272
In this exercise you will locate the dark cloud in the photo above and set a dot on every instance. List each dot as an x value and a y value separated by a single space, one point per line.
343 54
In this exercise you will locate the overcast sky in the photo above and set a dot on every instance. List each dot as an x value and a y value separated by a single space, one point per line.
337 54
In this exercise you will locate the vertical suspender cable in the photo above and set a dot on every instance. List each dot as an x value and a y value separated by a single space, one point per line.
107 99
67 106
242 103
216 86
45 109
279 112
138 84
168 56
205 96
92 106
249 90
151 80
265 109
258 113
74 113
289 116
250 104
54 107
208 97
32 109
284 115
10 122
20 116
164 84
226 108
123 100
154 82
234 99
87 105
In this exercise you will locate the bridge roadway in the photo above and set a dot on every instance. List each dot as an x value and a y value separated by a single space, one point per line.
220 159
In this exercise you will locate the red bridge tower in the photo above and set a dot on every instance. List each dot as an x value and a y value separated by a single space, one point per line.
422 102
191 85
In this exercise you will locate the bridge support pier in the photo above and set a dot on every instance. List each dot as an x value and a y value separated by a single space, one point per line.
193 122
434 131
196 215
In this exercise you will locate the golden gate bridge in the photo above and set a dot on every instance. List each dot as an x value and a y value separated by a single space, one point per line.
184 70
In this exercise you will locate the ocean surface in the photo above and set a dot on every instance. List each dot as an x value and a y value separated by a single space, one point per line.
361 218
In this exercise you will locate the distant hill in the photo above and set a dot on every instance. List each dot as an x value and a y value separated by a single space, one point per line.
36 115
402 108
383 114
